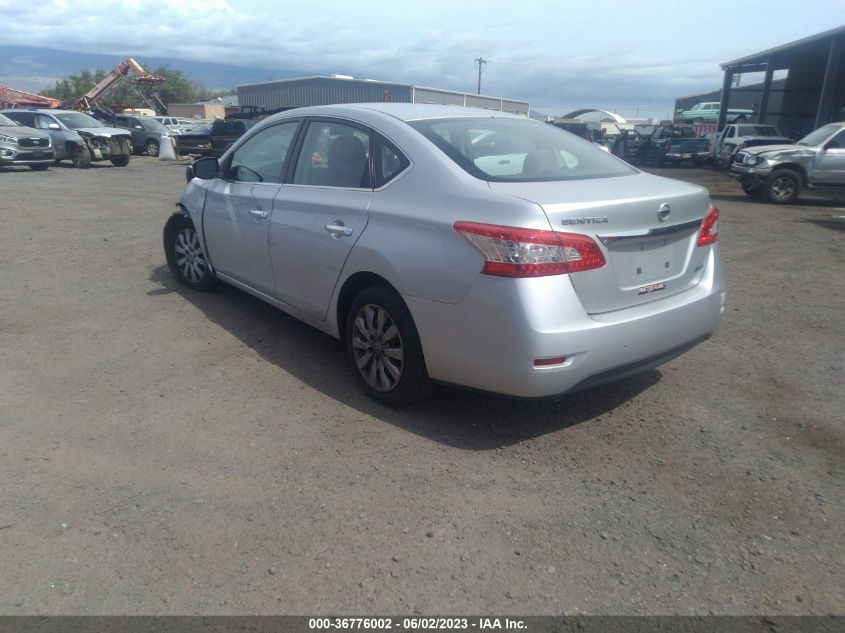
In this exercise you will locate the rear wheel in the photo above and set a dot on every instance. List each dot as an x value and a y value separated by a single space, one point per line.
782 186
81 158
120 161
152 148
384 349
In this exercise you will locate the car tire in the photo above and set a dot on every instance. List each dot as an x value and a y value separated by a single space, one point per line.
120 161
185 255
782 186
152 148
740 119
81 158
41 167
384 349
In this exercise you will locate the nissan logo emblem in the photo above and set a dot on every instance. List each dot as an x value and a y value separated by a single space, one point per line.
664 211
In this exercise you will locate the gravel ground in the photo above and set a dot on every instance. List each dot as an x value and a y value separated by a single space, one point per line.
168 452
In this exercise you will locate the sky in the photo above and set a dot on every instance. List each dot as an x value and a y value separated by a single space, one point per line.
628 57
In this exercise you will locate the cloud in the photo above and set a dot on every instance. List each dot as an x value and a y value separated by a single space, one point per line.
538 51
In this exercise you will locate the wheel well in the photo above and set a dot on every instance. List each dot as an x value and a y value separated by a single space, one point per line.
798 169
174 222
351 287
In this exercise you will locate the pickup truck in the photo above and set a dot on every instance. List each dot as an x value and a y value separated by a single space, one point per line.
777 173
213 141
737 136
708 112
673 144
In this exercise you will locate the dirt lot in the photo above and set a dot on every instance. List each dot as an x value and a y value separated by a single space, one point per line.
171 452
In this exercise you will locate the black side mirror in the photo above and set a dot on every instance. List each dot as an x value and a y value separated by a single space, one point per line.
205 169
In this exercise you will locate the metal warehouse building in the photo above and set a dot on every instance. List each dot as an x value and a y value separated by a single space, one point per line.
308 91
813 92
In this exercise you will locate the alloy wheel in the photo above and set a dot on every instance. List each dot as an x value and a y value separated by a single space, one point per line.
782 187
377 348
190 259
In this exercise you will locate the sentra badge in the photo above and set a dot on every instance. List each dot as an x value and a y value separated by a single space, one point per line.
596 220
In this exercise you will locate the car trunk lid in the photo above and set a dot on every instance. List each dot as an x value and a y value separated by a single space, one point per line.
647 231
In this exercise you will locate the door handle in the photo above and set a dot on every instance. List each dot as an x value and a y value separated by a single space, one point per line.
338 230
258 214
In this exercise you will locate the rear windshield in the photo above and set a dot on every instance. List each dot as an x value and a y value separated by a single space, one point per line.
757 130
519 150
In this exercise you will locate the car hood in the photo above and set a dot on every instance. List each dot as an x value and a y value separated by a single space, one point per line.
778 149
782 140
102 131
21 130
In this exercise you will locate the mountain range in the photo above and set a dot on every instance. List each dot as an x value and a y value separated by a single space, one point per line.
34 69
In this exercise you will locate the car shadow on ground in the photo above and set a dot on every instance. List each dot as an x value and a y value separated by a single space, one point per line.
834 224
451 416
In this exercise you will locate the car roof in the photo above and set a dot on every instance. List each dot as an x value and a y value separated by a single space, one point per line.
402 111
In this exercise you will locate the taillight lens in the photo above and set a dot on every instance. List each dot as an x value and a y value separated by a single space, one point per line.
513 252
709 232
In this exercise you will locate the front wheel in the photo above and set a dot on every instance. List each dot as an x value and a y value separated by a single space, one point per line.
185 256
152 148
384 349
81 158
782 186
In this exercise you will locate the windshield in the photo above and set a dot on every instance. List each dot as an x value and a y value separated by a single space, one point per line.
76 120
519 150
678 132
6 122
817 137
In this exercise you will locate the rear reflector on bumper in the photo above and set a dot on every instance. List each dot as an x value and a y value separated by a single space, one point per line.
546 362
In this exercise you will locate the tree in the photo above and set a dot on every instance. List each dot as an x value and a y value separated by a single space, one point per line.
176 88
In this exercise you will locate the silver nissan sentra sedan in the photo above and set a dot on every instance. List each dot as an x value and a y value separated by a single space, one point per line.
456 245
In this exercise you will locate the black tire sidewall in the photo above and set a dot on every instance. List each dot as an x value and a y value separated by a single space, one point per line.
414 383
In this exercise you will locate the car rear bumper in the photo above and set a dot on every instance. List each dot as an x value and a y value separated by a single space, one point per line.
491 339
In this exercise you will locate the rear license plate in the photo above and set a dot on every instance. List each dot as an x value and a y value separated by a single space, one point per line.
687 155
651 288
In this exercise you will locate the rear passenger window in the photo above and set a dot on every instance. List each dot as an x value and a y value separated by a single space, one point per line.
334 155
389 161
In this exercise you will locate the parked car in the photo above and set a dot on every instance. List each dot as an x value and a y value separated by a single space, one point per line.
76 136
737 136
21 145
708 112
147 133
213 140
177 125
777 173
569 270
673 143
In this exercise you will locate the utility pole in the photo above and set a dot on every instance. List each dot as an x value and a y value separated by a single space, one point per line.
480 61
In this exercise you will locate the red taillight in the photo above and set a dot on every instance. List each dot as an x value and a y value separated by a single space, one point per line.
709 232
548 362
667 146
513 252
707 146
